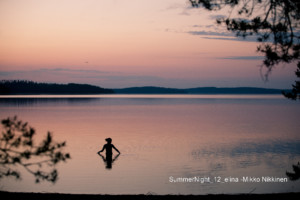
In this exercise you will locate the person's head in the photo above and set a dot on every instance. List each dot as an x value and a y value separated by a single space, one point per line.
108 140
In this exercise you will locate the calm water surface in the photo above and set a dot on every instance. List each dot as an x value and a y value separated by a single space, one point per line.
163 138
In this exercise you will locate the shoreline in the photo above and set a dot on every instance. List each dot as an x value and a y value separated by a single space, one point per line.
46 196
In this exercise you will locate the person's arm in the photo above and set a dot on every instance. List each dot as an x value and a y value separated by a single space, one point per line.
116 149
102 149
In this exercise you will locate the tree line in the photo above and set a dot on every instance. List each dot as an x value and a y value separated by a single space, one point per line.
30 87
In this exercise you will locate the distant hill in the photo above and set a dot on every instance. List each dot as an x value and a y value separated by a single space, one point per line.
30 87
199 90
149 90
237 90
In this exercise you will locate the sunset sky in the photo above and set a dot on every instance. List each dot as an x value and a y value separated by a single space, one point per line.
124 43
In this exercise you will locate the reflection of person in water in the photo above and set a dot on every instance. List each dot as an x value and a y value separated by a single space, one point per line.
109 160
108 150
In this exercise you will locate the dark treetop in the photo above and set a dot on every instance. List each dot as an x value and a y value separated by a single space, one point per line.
30 87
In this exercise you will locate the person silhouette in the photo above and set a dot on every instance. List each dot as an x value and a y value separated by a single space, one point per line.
108 147
108 150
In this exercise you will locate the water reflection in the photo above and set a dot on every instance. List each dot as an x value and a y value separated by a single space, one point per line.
246 148
162 137
44 101
248 154
108 161
40 100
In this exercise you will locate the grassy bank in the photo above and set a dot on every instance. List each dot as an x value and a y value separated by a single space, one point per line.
53 196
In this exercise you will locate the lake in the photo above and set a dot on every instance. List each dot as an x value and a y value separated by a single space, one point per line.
170 144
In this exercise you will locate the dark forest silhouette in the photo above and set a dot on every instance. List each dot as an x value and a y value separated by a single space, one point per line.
275 23
30 87
293 176
199 90
18 149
